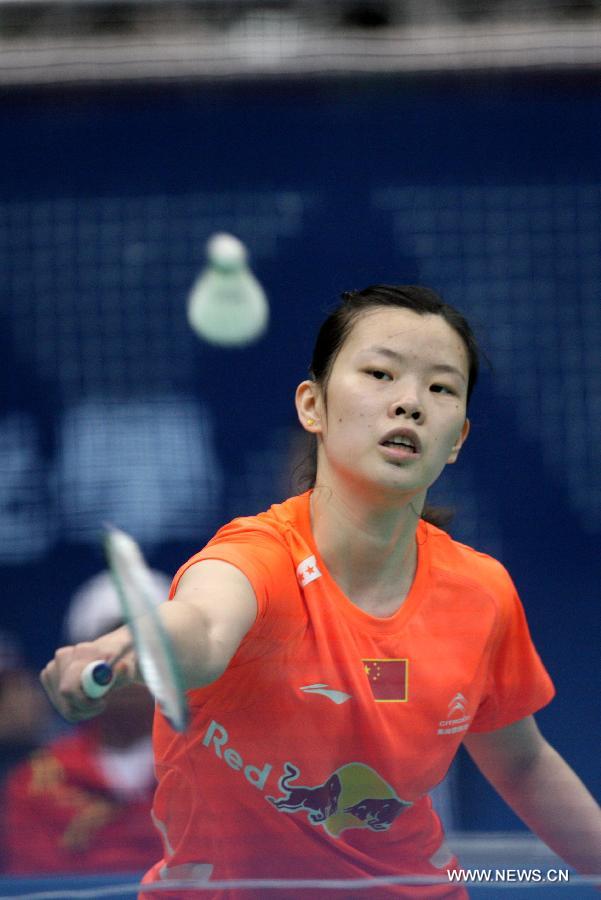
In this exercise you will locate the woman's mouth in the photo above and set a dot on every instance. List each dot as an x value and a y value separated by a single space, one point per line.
403 442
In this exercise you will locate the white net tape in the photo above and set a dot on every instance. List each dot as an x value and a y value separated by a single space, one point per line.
158 41
578 884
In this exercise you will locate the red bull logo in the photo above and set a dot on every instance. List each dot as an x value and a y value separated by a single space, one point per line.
354 796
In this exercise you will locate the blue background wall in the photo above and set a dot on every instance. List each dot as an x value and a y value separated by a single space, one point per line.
487 190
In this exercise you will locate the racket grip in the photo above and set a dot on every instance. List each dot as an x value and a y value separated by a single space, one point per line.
96 679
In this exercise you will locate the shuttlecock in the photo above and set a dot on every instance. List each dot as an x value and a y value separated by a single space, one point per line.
227 305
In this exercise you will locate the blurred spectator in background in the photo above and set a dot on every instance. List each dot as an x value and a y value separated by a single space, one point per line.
25 717
82 803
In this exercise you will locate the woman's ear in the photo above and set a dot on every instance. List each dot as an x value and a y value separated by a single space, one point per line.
308 406
465 430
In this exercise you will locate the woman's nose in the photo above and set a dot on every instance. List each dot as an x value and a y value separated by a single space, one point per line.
410 409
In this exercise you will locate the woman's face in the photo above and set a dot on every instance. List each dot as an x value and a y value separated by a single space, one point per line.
395 408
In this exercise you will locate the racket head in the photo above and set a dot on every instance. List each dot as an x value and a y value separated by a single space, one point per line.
156 657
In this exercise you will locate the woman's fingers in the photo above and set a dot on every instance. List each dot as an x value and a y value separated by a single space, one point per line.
61 679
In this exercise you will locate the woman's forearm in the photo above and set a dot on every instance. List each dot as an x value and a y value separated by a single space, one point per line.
550 798
206 621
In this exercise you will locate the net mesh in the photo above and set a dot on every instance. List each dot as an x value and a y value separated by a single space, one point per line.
510 255
97 295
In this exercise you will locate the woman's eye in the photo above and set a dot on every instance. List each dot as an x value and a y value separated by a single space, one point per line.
441 389
377 373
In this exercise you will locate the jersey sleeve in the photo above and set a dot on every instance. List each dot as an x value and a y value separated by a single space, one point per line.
517 684
258 552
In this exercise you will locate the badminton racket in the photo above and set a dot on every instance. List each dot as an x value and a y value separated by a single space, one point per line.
156 658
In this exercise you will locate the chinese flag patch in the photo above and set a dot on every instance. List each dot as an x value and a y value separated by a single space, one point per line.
388 679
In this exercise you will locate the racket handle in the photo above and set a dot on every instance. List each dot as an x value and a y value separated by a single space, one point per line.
96 679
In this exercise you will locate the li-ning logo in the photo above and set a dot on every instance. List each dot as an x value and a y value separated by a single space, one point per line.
307 571
456 720
333 695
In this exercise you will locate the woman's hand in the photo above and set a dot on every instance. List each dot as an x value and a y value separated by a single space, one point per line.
61 678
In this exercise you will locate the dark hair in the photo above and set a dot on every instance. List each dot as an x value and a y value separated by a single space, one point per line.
338 325
421 300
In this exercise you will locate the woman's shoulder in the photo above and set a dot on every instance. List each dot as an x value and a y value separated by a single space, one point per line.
272 524
268 541
463 561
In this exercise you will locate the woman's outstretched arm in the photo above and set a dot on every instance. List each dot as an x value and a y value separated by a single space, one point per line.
213 608
543 791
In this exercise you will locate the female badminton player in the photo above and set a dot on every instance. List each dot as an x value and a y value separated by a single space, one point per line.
337 649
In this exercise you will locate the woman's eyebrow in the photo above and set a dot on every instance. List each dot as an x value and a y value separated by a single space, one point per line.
398 357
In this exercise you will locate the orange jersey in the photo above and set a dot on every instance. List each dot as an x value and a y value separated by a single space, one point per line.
313 754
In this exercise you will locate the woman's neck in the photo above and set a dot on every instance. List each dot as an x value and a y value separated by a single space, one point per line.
370 550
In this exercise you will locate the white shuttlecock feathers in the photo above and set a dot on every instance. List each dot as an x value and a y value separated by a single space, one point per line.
227 306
